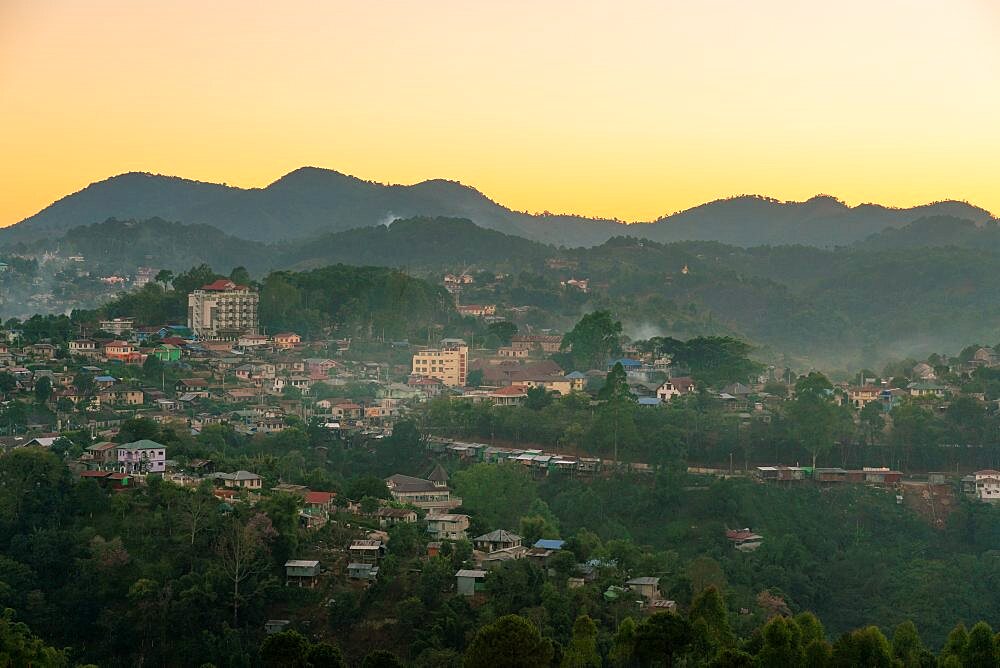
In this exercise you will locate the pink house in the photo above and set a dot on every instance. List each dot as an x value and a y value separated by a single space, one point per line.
143 456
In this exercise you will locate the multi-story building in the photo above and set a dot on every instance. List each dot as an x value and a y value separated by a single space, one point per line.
143 456
449 364
117 326
223 309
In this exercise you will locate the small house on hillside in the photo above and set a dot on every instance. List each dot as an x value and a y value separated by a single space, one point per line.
470 582
301 572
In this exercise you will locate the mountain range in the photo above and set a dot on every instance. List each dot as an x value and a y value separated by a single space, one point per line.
309 202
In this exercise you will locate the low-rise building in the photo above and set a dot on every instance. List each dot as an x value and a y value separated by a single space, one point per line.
447 526
470 582
302 572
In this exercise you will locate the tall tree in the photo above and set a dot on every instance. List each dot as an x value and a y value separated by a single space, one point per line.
242 551
511 641
582 649
593 340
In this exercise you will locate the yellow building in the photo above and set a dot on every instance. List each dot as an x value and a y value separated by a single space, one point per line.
450 364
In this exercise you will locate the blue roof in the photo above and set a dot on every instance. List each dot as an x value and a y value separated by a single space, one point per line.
105 379
549 544
626 363
649 401
576 374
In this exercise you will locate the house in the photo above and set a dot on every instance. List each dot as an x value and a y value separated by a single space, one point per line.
366 551
499 539
515 395
198 386
117 326
121 351
286 340
391 516
647 587
103 454
744 540
675 387
301 572
926 389
84 348
423 494
362 571
121 394
544 343
512 352
241 480
470 582
144 456
987 485
166 352
859 397
318 502
447 526
477 310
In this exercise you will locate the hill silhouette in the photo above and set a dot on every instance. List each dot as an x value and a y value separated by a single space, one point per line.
311 201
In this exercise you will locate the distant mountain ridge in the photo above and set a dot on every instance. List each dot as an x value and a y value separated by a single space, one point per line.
310 201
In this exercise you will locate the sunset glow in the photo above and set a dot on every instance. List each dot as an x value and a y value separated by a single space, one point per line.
614 109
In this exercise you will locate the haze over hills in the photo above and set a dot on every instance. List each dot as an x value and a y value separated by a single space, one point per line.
843 307
311 201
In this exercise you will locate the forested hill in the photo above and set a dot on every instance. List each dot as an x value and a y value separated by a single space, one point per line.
420 242
311 201
301 204
821 221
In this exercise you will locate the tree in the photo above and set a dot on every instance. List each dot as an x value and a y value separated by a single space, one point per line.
872 421
196 510
863 647
363 486
907 646
981 649
781 648
623 645
816 420
594 339
240 276
43 390
537 398
325 655
709 606
498 495
19 647
381 658
504 331
511 641
582 650
474 378
164 277
711 360
616 386
661 637
7 383
242 552
285 649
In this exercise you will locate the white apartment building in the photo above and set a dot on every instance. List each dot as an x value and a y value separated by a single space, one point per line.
223 309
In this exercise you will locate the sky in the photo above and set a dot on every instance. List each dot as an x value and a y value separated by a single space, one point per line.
621 109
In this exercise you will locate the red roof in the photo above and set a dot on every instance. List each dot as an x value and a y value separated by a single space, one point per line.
222 285
319 498
94 474
742 535
512 391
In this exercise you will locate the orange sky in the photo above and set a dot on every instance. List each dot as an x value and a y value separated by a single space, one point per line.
613 108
